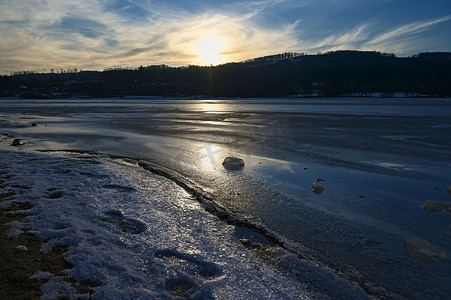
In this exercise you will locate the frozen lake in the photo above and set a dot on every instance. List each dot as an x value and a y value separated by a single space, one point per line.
379 160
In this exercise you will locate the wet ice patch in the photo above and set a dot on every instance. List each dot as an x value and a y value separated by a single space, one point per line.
391 165
421 248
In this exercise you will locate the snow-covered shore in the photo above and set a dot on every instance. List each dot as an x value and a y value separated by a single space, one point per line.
140 236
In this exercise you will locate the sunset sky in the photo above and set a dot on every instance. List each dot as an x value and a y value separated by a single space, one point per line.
98 34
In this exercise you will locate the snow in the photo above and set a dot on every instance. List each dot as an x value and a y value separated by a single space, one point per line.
41 275
21 248
141 236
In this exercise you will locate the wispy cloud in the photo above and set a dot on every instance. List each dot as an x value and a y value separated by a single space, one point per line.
369 36
351 39
96 34
404 30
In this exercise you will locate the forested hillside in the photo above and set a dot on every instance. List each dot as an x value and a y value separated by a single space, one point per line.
331 74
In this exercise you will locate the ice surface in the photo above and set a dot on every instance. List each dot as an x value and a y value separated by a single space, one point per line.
142 236
381 159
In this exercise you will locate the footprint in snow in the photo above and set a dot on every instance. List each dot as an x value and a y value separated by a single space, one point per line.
190 264
187 288
61 171
53 193
92 175
119 188
126 225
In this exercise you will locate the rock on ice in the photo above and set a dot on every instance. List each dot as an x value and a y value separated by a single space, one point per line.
418 247
433 207
449 190
317 187
232 162
17 142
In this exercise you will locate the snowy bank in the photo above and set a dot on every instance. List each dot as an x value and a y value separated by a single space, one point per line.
139 235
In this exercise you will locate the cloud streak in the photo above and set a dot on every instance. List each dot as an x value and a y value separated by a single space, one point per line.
412 28
97 34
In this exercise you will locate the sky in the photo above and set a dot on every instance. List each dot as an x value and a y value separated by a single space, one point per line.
40 35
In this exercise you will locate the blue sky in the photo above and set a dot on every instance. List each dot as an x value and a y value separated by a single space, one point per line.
98 34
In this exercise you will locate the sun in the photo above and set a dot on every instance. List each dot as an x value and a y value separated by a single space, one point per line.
209 50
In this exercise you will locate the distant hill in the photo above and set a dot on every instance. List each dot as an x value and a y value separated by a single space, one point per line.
330 74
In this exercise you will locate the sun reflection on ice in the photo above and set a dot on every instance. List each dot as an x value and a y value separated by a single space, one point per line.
212 107
211 155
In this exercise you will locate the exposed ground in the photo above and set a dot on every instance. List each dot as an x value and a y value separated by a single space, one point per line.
16 267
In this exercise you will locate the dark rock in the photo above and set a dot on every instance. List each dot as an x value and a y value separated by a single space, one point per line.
317 187
17 142
245 242
433 207
447 206
448 190
33 124
232 162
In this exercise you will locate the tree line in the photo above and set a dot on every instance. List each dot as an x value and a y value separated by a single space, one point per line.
330 74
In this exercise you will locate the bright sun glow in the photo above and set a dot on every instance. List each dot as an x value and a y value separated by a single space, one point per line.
209 50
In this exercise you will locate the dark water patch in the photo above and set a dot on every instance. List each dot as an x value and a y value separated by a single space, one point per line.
251 238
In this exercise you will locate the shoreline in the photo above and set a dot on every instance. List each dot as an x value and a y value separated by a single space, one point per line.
86 288
401 96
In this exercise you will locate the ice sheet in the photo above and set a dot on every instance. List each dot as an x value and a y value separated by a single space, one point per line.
380 158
